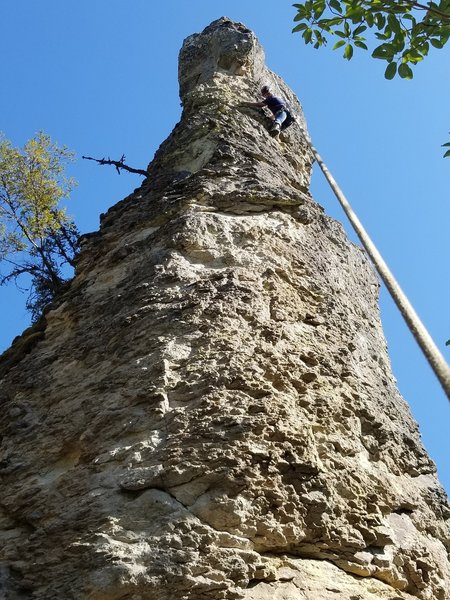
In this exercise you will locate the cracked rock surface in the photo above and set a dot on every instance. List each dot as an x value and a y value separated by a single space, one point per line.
209 411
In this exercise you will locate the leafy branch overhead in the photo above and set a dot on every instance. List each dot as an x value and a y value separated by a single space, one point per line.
403 32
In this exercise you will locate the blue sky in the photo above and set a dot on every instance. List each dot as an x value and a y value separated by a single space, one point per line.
101 77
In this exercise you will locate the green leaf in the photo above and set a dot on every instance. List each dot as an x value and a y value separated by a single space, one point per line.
301 12
319 7
423 48
380 20
348 52
338 44
335 5
369 19
445 34
447 144
384 52
405 71
359 30
412 55
320 40
391 70
355 13
394 24
327 24
447 154
307 36
300 27
360 44
436 43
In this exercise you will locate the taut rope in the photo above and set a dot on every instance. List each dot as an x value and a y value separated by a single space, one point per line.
415 325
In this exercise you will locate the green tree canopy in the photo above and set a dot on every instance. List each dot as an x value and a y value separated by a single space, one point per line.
402 31
37 237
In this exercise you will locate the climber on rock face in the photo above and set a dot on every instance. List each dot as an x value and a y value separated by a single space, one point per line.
276 105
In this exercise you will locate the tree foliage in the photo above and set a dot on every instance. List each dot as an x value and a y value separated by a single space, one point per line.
403 31
37 237
447 146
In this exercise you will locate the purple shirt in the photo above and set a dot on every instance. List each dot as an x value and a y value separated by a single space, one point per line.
275 104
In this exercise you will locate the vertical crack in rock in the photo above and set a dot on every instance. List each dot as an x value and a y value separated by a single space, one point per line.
209 411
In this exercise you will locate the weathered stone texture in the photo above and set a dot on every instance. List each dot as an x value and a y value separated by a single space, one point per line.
209 411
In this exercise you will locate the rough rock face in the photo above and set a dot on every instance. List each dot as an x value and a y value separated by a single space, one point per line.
209 411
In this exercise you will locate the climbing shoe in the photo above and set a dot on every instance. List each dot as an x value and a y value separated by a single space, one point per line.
275 130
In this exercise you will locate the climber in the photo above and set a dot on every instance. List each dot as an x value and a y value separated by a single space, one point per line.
281 116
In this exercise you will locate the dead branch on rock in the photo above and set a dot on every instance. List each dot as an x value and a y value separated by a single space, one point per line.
119 164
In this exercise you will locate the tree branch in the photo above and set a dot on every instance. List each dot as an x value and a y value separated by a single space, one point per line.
17 271
119 164
431 9
418 5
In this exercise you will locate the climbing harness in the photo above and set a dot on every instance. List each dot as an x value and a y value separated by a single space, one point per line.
415 325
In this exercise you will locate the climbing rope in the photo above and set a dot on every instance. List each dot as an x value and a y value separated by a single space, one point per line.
415 325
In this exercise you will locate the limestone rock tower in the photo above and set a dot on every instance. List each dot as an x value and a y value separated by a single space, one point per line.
209 412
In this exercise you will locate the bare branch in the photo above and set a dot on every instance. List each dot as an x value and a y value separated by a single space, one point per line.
119 164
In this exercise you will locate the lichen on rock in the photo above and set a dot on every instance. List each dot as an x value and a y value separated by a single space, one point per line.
209 412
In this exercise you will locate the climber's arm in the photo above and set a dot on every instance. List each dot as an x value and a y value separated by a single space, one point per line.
254 104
